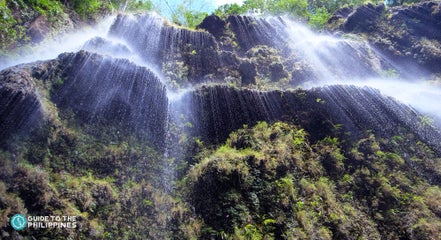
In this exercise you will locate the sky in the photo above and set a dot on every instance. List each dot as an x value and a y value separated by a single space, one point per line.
198 5
222 2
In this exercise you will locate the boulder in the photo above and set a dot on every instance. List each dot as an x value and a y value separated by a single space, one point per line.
364 18
38 29
277 72
20 104
248 72
421 20
214 25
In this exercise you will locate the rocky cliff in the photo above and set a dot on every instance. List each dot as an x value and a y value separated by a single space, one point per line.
163 132
409 35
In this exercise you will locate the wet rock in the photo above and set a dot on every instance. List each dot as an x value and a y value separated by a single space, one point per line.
302 72
229 58
277 72
214 25
250 32
268 61
408 35
123 94
103 46
341 14
20 104
364 18
423 20
219 110
98 90
38 29
248 72
159 43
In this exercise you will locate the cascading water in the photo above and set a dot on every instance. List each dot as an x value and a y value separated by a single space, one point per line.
174 54
50 49
125 77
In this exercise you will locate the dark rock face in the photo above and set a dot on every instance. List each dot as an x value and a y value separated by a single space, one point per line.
248 72
220 110
363 18
159 43
103 46
20 103
214 25
251 32
410 36
341 13
277 72
361 109
421 19
100 89
278 48
38 29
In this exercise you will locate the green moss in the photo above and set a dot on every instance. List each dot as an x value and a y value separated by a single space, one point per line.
90 8
47 8
321 190
10 31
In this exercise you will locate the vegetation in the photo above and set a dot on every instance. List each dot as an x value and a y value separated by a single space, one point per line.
268 181
16 16
271 182
319 18
400 2
186 15
9 32
317 12
110 179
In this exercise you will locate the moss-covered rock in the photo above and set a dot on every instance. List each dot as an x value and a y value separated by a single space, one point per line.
20 102
406 34
270 181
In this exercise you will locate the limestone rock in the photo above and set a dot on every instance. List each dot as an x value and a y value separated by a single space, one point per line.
248 72
363 18
20 103
214 25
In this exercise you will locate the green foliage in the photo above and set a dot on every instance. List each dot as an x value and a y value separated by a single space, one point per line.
249 232
48 8
229 9
400 2
316 11
135 5
295 7
185 16
426 121
319 18
272 171
90 8
8 33
16 15
390 73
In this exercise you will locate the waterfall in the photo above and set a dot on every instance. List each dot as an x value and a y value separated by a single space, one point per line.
130 61
166 88
51 48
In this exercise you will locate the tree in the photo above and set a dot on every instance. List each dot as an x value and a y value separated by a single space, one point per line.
187 14
319 18
296 7
400 2
229 9
130 5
